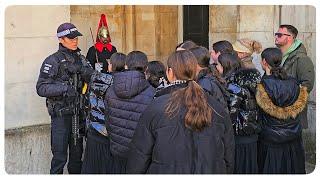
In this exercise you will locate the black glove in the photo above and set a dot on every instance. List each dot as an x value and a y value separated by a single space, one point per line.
70 93
73 68
86 73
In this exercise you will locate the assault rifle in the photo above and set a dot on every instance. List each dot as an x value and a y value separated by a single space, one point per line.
76 106
79 108
76 110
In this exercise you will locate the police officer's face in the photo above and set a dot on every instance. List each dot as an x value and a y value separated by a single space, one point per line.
71 44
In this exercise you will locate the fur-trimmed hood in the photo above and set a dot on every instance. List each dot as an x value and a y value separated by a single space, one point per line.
267 103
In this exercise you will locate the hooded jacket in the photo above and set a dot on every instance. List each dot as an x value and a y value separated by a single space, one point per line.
163 145
300 66
125 100
211 85
280 102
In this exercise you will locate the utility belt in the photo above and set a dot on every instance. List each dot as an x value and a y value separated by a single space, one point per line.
57 107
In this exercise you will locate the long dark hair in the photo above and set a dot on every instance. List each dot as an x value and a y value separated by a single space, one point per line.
118 61
188 44
203 57
273 56
137 60
155 71
199 113
230 63
202 54
223 47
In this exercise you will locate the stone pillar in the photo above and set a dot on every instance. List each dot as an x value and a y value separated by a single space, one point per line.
223 23
257 23
166 31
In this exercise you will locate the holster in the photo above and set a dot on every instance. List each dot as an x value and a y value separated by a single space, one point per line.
65 111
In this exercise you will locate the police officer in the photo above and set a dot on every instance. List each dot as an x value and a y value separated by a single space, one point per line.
54 83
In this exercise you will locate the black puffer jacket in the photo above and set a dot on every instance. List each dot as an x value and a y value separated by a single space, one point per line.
211 85
125 100
242 104
280 102
165 146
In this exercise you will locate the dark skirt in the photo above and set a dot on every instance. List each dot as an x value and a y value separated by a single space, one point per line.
97 157
287 158
246 155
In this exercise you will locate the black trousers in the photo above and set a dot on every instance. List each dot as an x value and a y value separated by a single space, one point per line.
61 140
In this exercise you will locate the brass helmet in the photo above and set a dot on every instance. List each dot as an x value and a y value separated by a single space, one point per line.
103 32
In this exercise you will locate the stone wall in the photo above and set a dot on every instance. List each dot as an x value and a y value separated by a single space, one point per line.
30 36
150 29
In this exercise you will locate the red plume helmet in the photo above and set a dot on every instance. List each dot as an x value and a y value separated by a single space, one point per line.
103 31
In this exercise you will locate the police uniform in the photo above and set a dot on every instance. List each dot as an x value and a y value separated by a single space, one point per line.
53 83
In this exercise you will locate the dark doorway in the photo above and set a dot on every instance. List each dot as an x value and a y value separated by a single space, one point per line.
196 24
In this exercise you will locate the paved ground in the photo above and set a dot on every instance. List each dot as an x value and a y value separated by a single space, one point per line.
309 167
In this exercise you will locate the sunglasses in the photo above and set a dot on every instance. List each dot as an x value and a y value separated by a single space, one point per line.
279 35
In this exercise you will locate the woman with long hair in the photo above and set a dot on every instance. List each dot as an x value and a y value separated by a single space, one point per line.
183 130
205 77
219 48
241 85
156 75
125 101
281 100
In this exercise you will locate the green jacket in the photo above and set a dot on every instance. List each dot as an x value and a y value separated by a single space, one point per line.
300 66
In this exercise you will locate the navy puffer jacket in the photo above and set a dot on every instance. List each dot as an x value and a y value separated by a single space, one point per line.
125 101
280 102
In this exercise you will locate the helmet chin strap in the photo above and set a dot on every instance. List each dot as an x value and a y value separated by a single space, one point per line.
104 40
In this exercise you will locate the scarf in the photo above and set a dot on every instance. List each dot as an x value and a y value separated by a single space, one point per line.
293 47
99 46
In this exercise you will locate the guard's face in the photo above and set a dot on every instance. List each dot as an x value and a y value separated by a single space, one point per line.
104 40
71 44
103 35
282 37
